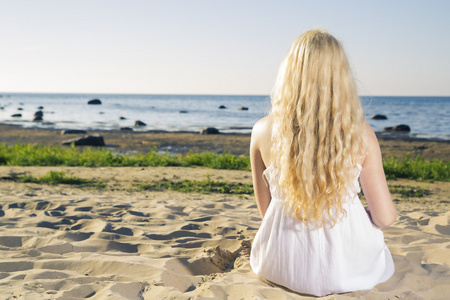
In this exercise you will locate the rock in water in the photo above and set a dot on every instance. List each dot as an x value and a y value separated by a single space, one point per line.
122 118
379 117
89 140
139 123
16 115
73 131
37 118
94 102
209 130
126 129
400 128
39 113
222 107
243 108
182 111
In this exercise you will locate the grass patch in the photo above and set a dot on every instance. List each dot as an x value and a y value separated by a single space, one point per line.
54 178
206 186
409 191
35 155
418 169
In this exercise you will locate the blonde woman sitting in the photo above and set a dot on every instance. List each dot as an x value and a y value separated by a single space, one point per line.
307 156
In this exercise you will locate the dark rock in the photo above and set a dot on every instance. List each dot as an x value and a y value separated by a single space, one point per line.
40 107
401 127
20 108
73 131
139 123
126 129
122 118
209 130
37 119
16 115
94 102
182 111
222 107
89 140
243 108
39 113
378 117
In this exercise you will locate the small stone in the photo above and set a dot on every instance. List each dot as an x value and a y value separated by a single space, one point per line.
94 102
209 130
378 117
139 123
398 128
73 131
90 140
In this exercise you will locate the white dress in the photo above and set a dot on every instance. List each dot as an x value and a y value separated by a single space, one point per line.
348 257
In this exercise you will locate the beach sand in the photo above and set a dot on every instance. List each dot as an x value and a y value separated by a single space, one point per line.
67 242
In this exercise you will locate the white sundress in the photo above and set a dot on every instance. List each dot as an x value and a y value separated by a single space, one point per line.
350 256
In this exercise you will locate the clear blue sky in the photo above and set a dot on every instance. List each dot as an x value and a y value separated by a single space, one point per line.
399 47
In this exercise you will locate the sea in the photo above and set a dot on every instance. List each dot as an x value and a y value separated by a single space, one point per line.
428 117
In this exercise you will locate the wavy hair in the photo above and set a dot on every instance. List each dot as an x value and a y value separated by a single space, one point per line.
318 130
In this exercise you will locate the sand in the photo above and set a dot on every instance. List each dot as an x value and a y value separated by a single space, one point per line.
66 242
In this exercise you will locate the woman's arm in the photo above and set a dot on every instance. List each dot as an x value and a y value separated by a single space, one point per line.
374 185
260 186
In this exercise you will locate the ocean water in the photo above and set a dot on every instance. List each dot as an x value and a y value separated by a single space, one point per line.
428 117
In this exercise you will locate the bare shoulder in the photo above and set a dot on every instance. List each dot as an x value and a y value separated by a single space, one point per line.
370 134
262 139
373 148
262 128
372 141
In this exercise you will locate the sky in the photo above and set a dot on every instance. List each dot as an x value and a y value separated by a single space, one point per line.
233 47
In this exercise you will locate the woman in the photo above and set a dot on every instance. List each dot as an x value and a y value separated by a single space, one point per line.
306 156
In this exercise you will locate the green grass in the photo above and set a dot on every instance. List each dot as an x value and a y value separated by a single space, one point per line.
202 186
418 169
409 191
34 155
54 177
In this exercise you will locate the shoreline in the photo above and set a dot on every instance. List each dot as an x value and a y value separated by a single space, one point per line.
182 142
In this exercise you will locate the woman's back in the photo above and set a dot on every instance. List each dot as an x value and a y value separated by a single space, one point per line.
307 156
349 256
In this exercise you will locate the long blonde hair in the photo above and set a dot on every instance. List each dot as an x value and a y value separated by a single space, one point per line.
318 131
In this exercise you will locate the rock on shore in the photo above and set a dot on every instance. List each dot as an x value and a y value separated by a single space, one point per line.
139 123
378 117
209 130
89 140
94 102
399 128
73 131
